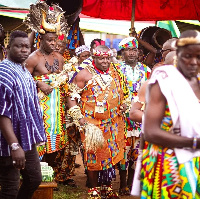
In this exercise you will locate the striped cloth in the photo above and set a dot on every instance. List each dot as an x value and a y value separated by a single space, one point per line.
19 102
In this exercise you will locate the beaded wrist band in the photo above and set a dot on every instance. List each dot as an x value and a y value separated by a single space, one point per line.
194 143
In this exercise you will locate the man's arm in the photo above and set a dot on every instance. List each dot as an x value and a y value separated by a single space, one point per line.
31 63
154 114
7 131
80 80
136 111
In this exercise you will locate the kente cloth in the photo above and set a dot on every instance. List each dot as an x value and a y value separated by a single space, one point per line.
73 39
66 56
134 79
110 121
37 40
53 111
162 177
184 117
85 63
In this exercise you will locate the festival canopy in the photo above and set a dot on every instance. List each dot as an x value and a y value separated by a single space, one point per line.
145 10
86 23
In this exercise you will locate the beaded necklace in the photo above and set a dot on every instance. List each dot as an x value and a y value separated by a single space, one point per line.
104 82
104 75
134 77
53 68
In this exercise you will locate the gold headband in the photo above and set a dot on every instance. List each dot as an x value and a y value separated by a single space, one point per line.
188 41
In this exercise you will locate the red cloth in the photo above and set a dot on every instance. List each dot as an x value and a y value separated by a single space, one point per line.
145 10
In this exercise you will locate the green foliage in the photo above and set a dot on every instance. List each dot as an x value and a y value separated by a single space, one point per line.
66 192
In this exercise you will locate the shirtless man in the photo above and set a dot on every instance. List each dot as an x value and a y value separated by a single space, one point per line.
45 60
44 64
105 80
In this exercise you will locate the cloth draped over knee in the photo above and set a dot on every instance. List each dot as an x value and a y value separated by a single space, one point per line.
53 110
181 178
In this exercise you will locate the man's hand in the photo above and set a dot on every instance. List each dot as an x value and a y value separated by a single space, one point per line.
82 122
123 108
18 157
45 88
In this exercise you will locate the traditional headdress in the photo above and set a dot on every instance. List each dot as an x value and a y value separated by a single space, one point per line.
99 53
43 18
128 42
81 49
189 37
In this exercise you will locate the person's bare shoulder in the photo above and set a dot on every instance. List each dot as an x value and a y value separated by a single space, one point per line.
84 74
83 77
33 59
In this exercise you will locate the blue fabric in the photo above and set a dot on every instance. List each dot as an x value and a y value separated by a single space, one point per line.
19 102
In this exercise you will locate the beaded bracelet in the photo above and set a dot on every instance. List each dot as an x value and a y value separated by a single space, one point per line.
194 146
75 113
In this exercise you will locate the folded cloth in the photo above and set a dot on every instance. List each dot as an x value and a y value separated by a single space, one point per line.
183 104
135 191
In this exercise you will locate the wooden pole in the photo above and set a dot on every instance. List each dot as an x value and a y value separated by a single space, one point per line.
132 16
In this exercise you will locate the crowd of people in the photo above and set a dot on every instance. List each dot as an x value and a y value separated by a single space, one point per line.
119 114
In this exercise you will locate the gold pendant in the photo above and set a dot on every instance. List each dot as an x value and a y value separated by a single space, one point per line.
99 109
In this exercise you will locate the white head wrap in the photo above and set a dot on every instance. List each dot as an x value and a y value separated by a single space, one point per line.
81 49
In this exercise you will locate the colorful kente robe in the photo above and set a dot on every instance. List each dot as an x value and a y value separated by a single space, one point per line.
162 177
110 121
134 78
53 110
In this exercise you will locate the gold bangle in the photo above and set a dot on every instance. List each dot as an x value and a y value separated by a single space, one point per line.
75 113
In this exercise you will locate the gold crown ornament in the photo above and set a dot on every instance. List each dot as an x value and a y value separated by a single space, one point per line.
43 18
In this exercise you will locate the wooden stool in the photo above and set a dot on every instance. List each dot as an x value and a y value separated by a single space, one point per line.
45 190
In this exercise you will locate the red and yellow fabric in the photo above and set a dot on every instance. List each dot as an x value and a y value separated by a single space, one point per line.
110 122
